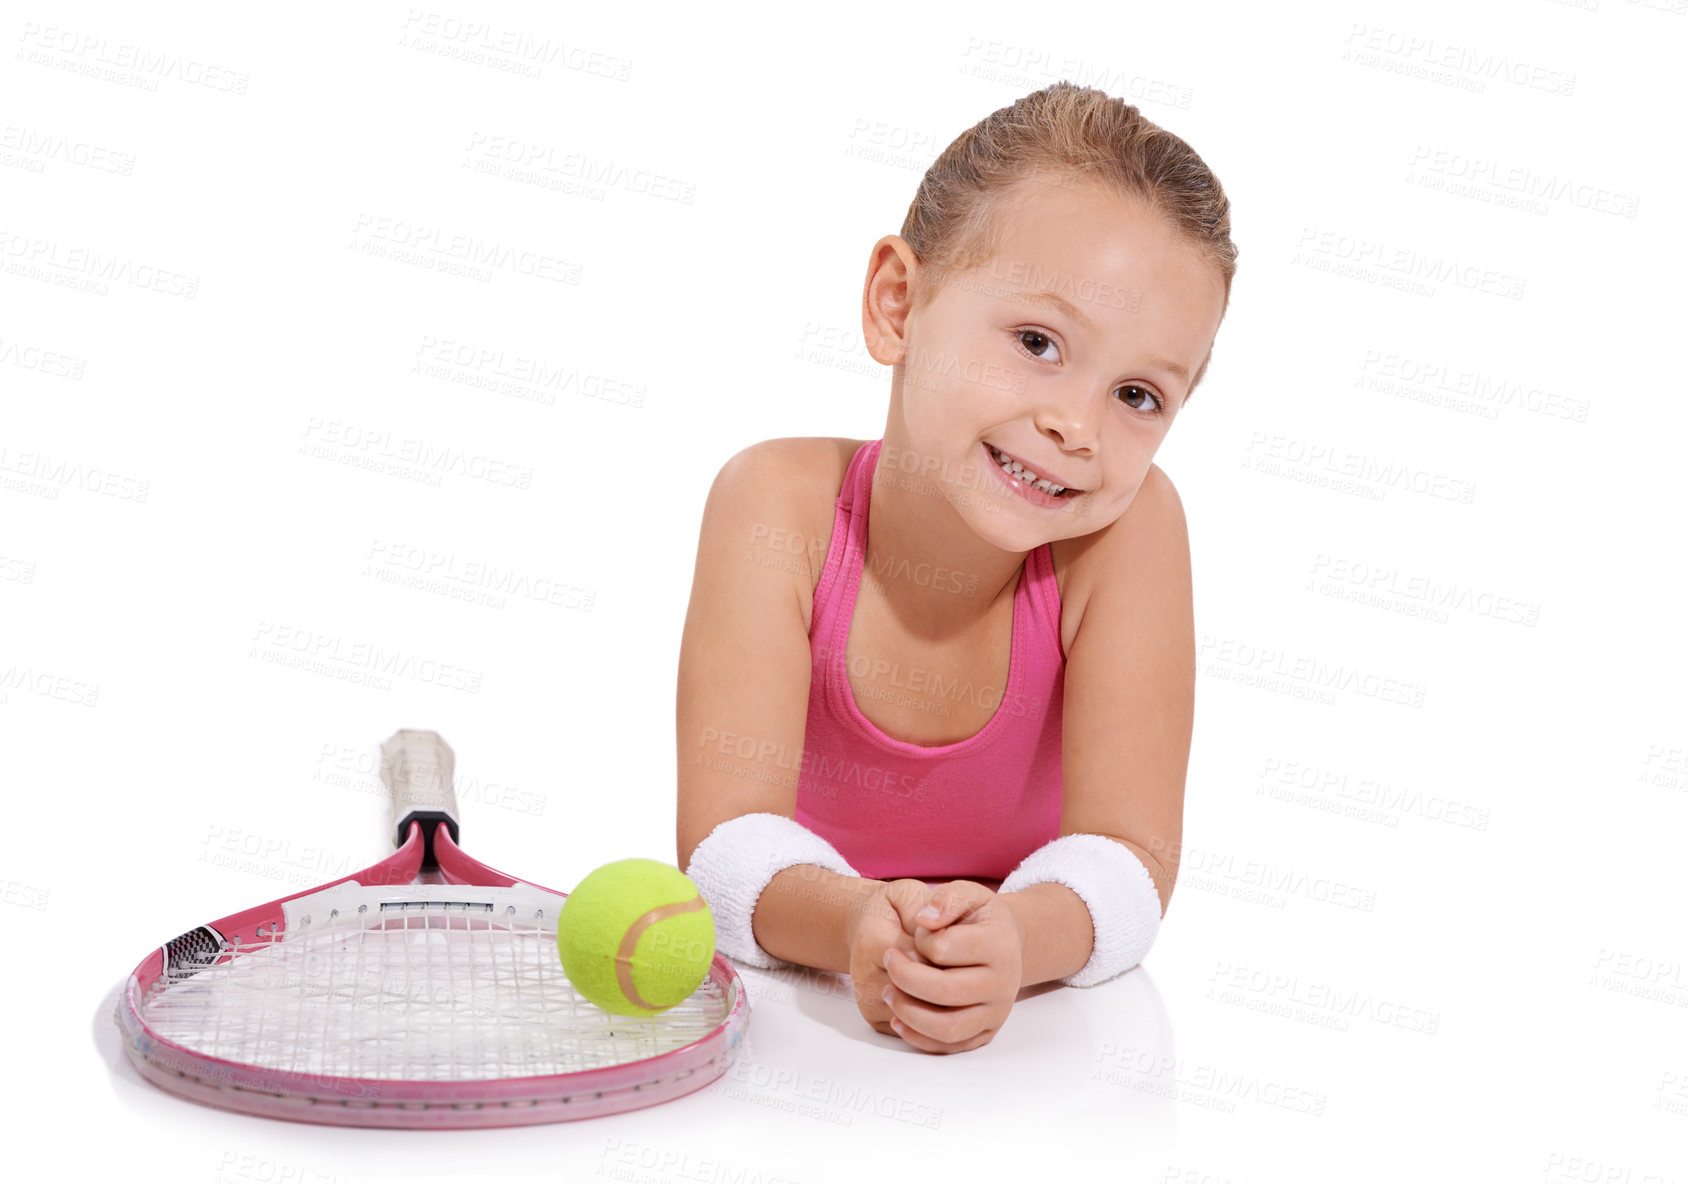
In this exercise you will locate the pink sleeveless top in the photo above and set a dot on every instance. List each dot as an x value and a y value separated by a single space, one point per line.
971 809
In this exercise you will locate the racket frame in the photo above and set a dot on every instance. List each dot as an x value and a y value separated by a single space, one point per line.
411 1103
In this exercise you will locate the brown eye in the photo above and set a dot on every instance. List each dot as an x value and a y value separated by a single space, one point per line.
1039 340
1144 397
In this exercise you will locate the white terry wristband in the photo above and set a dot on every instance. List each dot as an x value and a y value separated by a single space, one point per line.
1125 910
733 865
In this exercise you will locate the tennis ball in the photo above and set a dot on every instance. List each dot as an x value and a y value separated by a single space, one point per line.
636 937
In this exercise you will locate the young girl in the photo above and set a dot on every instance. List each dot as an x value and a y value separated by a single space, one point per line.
942 746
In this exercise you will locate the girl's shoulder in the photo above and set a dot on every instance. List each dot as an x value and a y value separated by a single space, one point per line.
1143 554
798 480
825 460
809 467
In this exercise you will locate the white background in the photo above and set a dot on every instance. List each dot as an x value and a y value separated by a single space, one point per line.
1458 292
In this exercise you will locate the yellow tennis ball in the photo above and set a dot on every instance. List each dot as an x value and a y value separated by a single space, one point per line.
636 937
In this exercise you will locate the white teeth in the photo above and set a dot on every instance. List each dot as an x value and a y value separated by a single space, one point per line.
1015 469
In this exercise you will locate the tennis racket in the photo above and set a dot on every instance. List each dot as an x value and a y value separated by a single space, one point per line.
423 991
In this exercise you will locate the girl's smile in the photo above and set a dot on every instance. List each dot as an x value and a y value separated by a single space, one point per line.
1013 471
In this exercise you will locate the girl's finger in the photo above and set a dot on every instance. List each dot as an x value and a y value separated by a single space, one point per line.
941 1026
950 903
961 944
927 1044
941 986
909 903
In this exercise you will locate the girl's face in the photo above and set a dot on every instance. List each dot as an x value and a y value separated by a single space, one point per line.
1071 350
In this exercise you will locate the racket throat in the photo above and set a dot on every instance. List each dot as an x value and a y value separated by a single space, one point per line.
429 821
193 951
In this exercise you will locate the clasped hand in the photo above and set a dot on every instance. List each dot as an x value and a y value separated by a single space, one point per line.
939 966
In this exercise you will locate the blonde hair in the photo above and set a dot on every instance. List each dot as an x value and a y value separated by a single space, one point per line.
1068 133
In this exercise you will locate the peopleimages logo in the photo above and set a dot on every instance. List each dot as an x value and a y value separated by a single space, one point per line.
1481 173
1431 59
122 61
87 268
406 241
1407 262
875 674
378 449
765 760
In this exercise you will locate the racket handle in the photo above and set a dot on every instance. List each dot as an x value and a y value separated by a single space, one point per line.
417 767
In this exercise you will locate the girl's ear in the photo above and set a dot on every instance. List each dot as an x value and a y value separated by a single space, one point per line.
888 298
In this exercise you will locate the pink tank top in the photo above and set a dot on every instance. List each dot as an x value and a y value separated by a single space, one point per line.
971 809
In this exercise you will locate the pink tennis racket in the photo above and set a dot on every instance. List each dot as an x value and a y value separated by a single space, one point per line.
423 991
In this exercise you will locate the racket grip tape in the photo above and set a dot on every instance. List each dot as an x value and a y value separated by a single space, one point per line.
417 767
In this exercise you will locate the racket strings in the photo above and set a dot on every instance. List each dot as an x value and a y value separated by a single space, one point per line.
430 990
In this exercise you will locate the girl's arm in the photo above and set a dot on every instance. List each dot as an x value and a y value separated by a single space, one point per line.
805 913
743 690
1129 707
